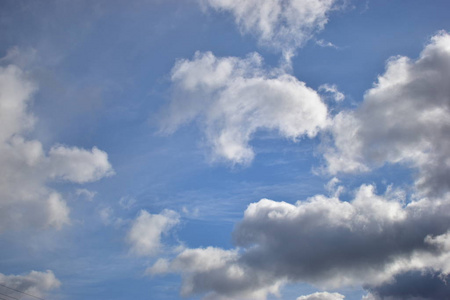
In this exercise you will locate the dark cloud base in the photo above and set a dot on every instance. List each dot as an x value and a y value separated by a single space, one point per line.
415 285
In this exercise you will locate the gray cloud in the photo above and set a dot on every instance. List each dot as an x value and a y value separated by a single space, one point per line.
413 285
34 283
332 243
323 241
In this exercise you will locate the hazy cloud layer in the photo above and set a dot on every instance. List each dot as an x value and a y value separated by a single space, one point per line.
233 98
405 118
25 199
34 283
145 233
279 24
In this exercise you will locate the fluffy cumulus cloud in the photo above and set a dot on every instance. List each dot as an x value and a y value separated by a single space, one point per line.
323 241
405 118
233 98
25 198
280 24
145 233
322 296
34 283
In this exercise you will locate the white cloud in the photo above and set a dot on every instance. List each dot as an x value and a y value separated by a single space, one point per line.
334 188
405 118
25 198
233 98
78 165
145 234
323 43
127 202
333 91
86 194
322 296
280 24
107 215
58 211
34 283
15 92
218 274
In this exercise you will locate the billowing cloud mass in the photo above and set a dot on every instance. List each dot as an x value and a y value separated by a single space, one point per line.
323 241
25 198
34 283
405 118
322 296
279 24
144 236
233 98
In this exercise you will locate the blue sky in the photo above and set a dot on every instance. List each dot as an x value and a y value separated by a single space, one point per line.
141 140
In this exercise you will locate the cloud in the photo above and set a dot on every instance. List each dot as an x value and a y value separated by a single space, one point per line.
78 165
86 194
218 273
333 243
278 24
323 241
416 285
34 283
127 202
404 119
425 278
383 242
233 98
107 215
322 296
145 234
325 44
25 198
333 91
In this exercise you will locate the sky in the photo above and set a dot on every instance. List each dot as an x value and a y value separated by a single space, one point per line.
225 149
